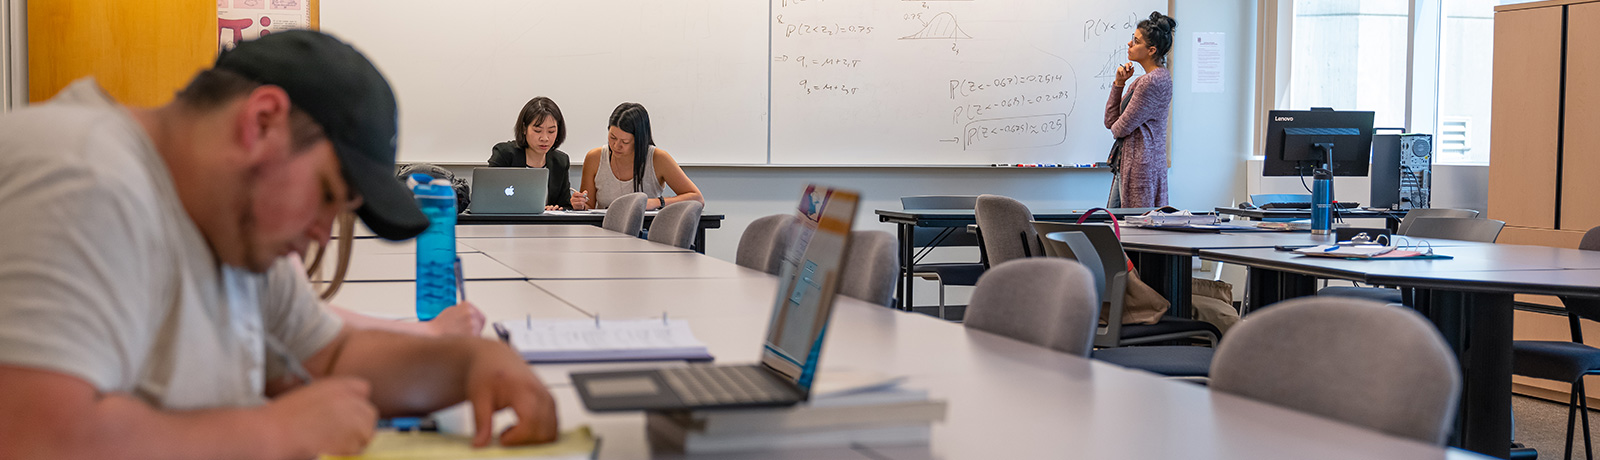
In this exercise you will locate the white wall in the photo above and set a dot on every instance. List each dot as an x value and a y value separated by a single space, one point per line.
1210 141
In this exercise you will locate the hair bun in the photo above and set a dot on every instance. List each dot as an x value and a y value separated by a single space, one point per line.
1163 22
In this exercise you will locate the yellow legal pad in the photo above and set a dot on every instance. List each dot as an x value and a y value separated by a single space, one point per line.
577 443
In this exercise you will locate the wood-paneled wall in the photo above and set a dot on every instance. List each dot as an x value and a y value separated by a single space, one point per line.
141 51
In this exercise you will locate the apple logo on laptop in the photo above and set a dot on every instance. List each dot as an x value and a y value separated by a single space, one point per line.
511 190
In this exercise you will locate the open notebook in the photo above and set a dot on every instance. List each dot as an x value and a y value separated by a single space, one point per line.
565 341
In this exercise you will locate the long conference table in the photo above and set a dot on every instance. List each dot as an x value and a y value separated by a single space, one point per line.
1007 399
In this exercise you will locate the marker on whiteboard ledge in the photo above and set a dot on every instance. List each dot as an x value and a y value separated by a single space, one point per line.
1001 165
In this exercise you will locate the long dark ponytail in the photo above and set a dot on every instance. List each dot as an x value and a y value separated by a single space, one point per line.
631 118
1158 33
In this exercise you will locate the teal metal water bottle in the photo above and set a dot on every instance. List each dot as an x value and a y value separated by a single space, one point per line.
436 246
1322 202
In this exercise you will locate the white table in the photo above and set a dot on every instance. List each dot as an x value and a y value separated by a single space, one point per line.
499 300
403 267
549 245
1007 399
535 231
614 265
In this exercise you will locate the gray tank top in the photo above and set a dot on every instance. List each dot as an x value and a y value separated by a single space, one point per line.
608 188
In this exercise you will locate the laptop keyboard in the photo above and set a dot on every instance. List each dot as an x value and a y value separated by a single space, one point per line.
720 385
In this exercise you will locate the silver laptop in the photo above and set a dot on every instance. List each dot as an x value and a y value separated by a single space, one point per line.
801 309
509 191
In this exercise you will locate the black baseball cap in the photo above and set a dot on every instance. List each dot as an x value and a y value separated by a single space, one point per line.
344 93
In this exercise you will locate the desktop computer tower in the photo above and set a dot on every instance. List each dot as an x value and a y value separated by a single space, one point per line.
1402 170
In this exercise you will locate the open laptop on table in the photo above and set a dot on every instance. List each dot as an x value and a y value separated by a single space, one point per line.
801 309
509 191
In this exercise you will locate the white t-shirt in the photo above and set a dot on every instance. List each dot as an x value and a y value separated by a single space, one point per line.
104 277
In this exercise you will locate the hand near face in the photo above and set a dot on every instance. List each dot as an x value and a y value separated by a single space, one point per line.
498 378
1124 72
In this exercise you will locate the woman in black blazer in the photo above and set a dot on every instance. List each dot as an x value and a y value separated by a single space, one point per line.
539 132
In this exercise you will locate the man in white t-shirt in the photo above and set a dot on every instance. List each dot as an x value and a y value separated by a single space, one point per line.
147 309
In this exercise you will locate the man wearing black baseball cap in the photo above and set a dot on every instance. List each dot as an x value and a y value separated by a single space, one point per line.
148 307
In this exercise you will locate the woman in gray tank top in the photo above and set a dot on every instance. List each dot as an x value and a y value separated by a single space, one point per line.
630 162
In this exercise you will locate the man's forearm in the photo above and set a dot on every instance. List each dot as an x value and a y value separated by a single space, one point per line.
409 374
119 426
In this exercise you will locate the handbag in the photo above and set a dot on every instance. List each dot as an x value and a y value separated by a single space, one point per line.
1141 304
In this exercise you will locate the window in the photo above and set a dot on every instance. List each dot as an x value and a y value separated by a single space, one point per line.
1466 44
1364 54
1350 55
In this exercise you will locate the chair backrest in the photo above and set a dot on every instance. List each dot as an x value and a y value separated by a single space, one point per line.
764 241
1044 301
1348 359
1006 232
871 266
939 202
676 224
625 214
1405 223
1097 247
1455 228
1591 240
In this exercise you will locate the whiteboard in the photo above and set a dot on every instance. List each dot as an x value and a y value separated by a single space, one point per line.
946 81
884 82
461 71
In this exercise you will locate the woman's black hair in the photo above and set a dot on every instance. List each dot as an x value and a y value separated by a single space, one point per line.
1158 33
631 118
535 112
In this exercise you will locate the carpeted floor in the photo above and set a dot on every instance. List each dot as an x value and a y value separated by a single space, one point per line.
1541 425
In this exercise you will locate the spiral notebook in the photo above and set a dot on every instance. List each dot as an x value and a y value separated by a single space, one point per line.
568 341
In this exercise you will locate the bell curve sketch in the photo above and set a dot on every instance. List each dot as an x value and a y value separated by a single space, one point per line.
942 26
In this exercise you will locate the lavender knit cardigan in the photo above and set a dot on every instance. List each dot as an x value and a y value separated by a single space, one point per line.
1143 166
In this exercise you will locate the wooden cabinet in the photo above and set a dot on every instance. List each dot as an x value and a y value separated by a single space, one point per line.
1526 112
1544 170
1580 166
142 52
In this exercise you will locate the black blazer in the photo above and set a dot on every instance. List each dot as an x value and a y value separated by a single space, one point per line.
508 155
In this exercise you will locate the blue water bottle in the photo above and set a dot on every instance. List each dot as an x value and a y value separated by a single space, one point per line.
436 246
1321 202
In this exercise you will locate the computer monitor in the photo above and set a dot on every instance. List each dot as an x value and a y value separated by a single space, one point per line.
1298 142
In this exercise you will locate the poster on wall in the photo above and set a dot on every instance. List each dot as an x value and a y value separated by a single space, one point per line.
240 20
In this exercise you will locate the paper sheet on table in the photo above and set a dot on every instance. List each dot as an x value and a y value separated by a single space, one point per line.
574 444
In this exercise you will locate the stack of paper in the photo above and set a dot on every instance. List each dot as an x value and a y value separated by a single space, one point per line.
1177 219
876 416
543 341
1348 251
391 445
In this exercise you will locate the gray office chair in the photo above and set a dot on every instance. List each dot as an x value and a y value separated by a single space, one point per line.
1047 302
944 273
1097 248
1454 228
871 266
1450 228
1412 215
625 214
676 224
764 241
1007 234
1566 361
1351 360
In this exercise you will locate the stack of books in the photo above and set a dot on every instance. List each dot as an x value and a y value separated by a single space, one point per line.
892 416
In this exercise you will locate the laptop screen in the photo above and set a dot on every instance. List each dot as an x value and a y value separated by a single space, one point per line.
809 278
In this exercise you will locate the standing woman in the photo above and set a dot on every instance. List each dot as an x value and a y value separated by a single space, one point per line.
1139 120
630 162
539 132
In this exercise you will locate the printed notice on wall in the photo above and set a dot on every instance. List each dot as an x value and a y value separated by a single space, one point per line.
1208 60
240 20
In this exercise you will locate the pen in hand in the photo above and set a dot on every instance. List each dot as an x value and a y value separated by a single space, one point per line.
278 349
461 282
